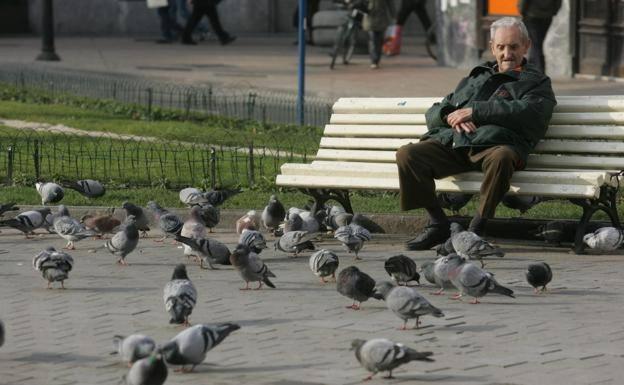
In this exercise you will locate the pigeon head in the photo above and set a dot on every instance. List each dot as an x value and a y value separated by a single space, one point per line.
152 205
179 272
351 270
131 208
273 198
130 219
62 211
454 260
456 228
357 344
240 255
45 211
384 288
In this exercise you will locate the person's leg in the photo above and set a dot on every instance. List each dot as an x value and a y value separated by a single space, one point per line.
375 45
191 23
313 7
421 11
498 165
213 16
405 9
537 32
165 24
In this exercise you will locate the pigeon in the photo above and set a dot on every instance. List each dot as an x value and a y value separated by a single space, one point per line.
538 274
522 203
312 223
150 370
337 220
367 223
192 196
87 187
190 346
169 223
140 219
295 242
1 333
179 296
251 267
293 223
293 210
210 250
27 221
194 227
453 201
49 192
427 271
324 263
53 265
352 237
101 224
253 239
471 246
210 214
445 248
124 241
249 221
402 269
471 280
604 239
440 274
551 232
273 213
357 285
50 217
379 355
71 230
4 207
407 303
219 196
133 347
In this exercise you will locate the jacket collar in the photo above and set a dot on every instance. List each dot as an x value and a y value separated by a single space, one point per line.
529 72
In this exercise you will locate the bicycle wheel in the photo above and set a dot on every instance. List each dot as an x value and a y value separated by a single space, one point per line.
349 44
431 42
338 44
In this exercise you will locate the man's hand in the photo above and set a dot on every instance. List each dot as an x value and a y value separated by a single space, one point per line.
467 127
459 116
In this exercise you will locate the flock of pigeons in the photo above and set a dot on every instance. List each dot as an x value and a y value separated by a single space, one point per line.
296 230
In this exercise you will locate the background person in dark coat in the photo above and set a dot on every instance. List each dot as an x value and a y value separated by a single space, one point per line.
208 8
490 123
380 15
537 16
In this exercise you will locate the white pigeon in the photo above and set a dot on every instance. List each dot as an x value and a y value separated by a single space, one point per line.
604 239
194 227
53 265
192 196
71 230
471 246
49 192
352 237
133 347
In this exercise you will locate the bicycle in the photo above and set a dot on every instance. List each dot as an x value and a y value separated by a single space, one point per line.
346 34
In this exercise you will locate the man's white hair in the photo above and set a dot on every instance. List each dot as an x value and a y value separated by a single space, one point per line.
508 22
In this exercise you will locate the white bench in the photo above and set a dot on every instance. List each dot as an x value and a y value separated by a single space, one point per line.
579 159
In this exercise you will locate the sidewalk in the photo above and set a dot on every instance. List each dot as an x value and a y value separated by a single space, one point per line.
266 62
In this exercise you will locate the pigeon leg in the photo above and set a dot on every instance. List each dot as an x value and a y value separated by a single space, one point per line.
323 280
161 239
259 286
404 327
536 291
49 285
186 322
246 286
545 290
62 285
439 292
474 301
334 276
389 376
210 230
369 377
456 297
417 326
482 264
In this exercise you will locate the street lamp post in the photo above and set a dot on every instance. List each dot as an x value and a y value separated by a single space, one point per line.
303 7
47 33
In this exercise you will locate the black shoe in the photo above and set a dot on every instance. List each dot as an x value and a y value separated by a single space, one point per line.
227 40
189 42
430 236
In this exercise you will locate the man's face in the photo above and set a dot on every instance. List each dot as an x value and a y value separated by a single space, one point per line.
508 47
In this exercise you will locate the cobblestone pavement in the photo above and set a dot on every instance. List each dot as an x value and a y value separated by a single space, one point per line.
300 333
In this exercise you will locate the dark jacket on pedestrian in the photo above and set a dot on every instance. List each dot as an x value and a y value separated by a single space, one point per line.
539 9
380 15
511 108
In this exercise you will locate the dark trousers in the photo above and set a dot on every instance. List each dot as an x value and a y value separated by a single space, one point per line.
421 163
375 45
168 25
417 6
208 8
537 32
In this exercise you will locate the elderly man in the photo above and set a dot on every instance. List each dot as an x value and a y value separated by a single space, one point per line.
490 123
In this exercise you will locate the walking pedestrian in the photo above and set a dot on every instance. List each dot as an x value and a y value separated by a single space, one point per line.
208 8
537 16
419 7
380 15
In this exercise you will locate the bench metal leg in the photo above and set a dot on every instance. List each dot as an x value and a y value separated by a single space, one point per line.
321 196
605 202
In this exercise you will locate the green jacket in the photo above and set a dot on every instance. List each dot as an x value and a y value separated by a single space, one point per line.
512 108
380 15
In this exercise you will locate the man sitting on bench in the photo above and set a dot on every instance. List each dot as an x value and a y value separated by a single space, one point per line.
490 123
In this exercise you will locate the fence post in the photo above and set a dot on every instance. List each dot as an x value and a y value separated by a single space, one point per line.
213 168
251 104
187 104
10 155
36 159
149 103
114 91
251 173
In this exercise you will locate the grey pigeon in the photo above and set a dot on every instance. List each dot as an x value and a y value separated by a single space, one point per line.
150 370
71 230
427 271
471 280
27 221
367 223
551 232
53 265
210 214
295 242
133 347
402 269
210 250
312 223
87 187
194 227
124 241
169 223
253 239
453 201
50 217
440 274
352 237
49 192
293 223
273 213
251 267
4 207
357 285
179 296
407 303
219 196
471 246
604 239
538 274
339 219
192 196
324 263
190 346
140 219
522 203
1 333
445 248
380 355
